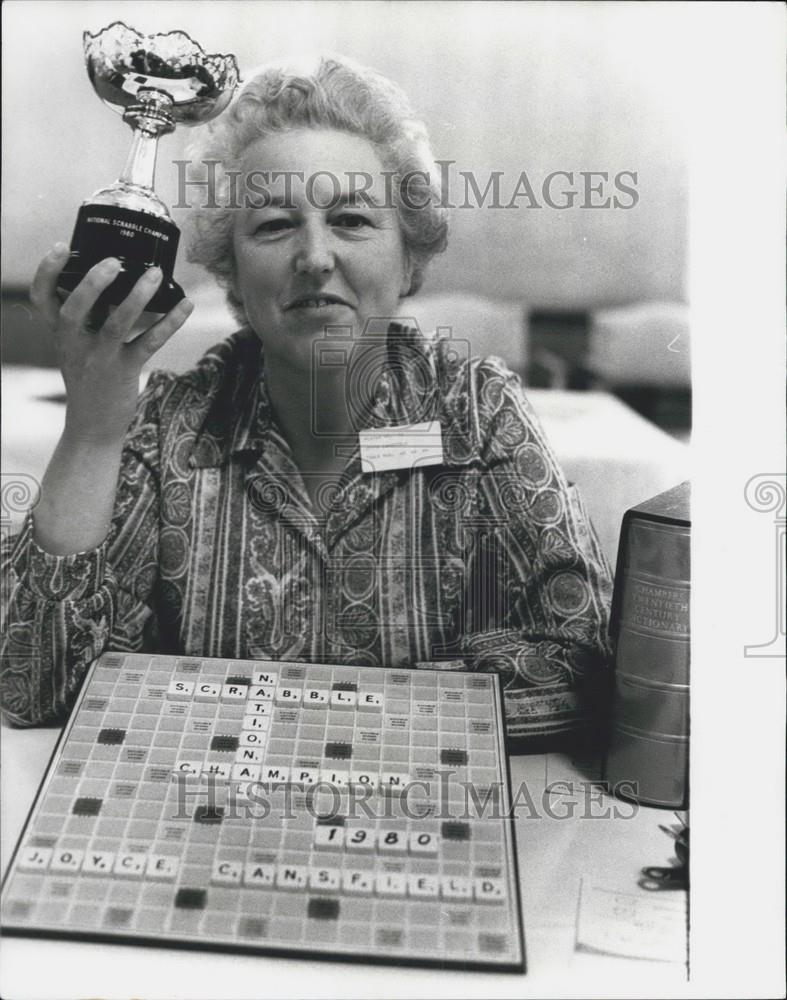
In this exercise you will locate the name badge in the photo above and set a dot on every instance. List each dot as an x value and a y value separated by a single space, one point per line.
410 446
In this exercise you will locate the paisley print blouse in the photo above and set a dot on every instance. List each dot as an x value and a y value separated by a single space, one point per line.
486 561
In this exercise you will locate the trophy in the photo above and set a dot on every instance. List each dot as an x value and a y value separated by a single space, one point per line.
155 82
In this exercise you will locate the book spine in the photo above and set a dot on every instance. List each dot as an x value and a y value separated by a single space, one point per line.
650 722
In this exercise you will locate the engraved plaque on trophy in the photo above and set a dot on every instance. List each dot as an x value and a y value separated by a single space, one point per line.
156 82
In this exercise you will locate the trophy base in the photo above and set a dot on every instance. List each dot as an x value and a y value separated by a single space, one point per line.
137 239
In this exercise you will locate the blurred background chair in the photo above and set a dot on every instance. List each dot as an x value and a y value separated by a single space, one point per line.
645 344
642 353
639 352
489 326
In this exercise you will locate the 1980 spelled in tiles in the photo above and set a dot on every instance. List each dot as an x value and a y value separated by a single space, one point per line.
277 807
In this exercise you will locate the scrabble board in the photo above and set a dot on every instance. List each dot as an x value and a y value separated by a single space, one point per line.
281 808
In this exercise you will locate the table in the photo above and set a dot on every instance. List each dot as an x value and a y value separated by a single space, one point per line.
616 457
554 854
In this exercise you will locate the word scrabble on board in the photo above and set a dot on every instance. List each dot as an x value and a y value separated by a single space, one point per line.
280 808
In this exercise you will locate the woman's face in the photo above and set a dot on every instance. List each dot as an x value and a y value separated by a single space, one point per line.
316 256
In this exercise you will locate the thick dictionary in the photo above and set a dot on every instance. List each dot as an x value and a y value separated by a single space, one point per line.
647 758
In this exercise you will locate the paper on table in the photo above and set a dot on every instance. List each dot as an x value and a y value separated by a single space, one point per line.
632 924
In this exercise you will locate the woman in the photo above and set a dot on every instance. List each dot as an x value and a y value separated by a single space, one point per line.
228 511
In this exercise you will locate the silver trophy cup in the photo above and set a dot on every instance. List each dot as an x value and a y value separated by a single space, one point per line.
156 82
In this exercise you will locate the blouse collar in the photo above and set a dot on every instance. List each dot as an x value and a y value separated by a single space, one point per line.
239 415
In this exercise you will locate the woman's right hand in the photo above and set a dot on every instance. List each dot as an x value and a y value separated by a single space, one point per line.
101 367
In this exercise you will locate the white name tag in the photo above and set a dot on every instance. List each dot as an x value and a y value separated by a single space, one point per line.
410 446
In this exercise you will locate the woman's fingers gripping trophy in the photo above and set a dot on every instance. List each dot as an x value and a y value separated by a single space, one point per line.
101 352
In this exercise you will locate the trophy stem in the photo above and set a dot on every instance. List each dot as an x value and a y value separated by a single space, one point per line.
140 168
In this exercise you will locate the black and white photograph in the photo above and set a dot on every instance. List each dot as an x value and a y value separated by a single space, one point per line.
393 499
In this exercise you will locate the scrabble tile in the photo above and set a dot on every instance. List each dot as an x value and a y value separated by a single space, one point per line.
261 693
257 708
359 883
265 677
258 723
315 698
226 873
34 858
325 879
370 701
187 768
362 777
276 773
344 700
304 775
252 738
130 865
246 772
391 841
331 776
288 696
292 876
233 693
66 859
423 843
161 867
423 886
207 692
180 690
391 884
259 875
98 862
359 839
329 837
217 772
456 887
489 890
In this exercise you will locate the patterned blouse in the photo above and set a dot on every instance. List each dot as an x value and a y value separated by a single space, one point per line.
486 561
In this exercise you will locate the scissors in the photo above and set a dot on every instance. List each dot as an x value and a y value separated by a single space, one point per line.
656 879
